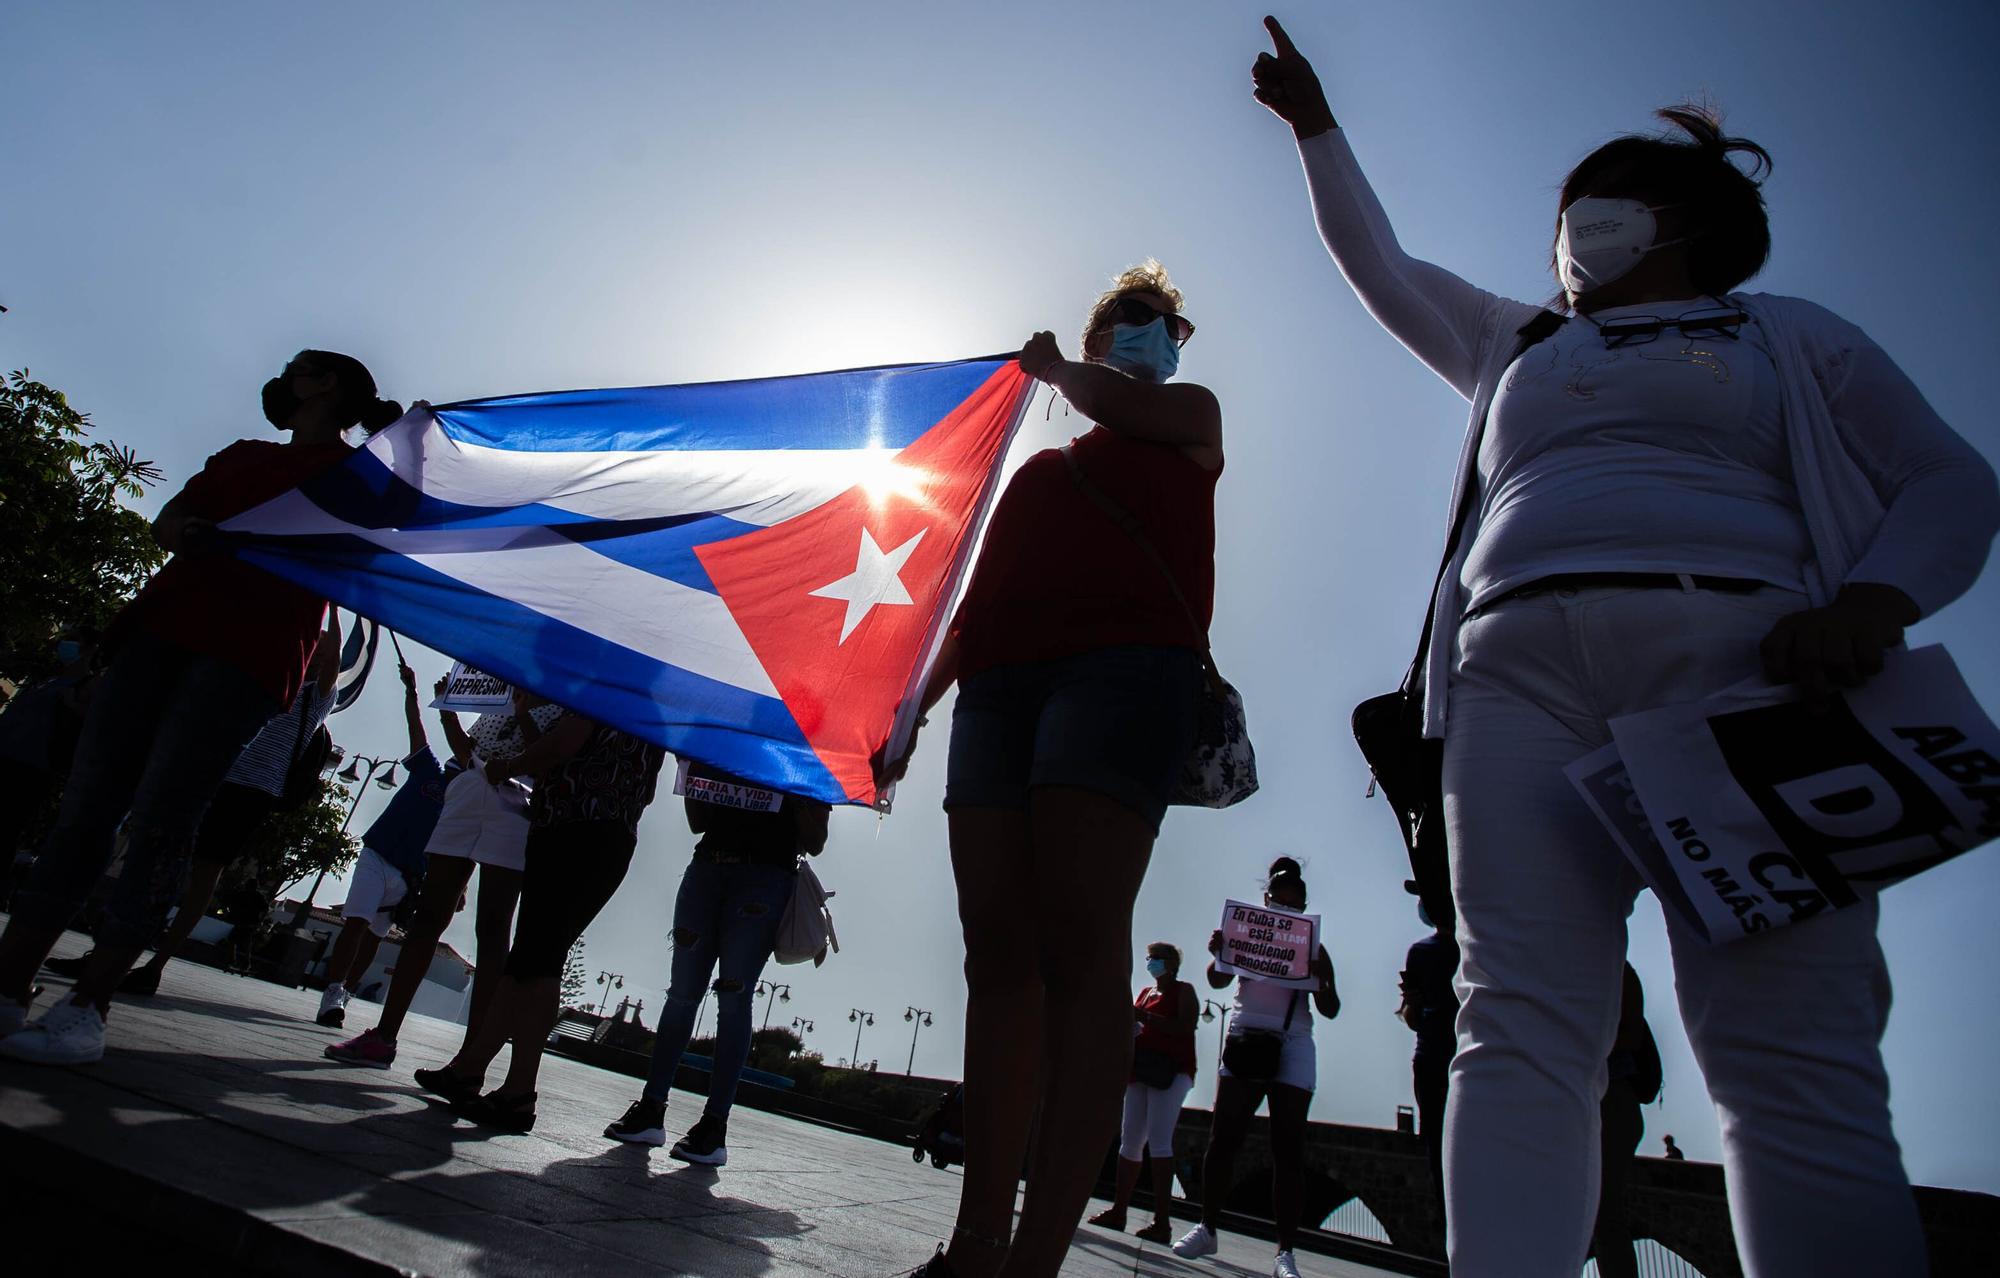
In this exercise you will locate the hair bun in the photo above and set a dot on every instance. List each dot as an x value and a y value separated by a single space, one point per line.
379 414
1284 865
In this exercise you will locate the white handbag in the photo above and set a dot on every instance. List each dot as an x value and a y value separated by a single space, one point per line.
805 933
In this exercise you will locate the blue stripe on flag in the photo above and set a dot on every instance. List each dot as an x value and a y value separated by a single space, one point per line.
739 731
861 408
366 493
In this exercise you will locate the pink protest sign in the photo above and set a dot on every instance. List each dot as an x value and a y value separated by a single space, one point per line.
1268 944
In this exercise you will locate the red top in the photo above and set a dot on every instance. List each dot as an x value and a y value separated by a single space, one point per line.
218 606
1058 577
1177 1046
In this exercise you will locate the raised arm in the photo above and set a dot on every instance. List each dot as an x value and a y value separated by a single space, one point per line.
1440 318
454 732
1216 980
413 710
1177 413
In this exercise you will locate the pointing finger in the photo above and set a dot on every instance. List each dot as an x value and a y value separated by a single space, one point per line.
1279 40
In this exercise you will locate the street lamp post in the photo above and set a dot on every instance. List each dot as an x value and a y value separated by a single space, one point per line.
918 1019
779 993
1211 1010
861 1021
610 981
802 1027
352 772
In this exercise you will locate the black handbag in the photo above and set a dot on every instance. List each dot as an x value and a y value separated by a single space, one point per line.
1154 1067
1254 1055
1408 768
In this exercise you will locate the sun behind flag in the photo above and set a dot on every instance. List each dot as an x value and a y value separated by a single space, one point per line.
753 574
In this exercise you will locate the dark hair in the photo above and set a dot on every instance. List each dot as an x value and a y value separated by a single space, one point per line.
1284 870
1169 951
1728 228
358 400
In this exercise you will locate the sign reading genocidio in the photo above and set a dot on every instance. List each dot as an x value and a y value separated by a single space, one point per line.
1266 944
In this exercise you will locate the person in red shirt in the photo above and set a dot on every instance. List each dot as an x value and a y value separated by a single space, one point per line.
1163 1068
1078 659
201 659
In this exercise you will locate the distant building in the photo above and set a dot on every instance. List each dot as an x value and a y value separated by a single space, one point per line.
447 989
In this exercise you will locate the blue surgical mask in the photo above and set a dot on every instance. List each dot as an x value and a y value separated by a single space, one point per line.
68 650
1145 351
1157 966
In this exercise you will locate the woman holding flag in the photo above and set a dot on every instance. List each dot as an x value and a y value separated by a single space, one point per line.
1077 654
203 657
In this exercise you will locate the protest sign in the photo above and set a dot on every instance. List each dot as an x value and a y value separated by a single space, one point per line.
471 691
1752 810
1270 945
725 794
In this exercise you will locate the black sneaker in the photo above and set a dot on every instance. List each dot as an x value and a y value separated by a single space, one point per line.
704 1143
446 1085
644 1124
71 968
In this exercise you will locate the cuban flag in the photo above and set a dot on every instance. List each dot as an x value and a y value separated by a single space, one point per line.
755 574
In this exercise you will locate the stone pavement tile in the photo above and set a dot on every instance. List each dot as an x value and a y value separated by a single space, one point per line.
744 1248
477 1243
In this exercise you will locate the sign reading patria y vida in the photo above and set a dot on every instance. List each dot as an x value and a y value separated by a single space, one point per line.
471 691
1267 944
725 794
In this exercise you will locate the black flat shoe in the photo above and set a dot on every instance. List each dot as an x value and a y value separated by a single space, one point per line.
142 981
936 1267
501 1113
70 968
447 1086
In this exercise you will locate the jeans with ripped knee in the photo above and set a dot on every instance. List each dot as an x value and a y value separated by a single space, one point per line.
726 915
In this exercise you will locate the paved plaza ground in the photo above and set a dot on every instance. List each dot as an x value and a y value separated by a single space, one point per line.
222 1138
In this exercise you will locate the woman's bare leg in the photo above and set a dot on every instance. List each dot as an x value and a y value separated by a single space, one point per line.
1090 855
1003 1027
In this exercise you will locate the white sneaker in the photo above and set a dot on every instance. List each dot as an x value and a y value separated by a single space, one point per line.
13 1016
332 1006
68 1034
1196 1243
1284 1266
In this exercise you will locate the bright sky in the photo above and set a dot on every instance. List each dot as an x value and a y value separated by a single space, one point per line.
485 199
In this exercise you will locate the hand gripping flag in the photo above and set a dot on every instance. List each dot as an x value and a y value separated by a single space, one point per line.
754 574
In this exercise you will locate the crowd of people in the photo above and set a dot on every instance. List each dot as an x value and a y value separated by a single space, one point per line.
1668 486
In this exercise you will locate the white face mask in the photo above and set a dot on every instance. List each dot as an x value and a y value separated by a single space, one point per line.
1603 239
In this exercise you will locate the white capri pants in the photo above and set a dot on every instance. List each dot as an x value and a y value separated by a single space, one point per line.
1786 1025
1151 1114
483 822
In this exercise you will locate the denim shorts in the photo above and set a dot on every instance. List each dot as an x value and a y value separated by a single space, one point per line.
1118 721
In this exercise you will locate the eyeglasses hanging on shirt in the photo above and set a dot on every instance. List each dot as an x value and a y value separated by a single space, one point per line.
1718 321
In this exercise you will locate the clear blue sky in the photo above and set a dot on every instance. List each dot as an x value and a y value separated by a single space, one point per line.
479 199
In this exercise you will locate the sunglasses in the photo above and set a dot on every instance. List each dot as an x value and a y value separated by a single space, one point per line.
1637 330
1132 311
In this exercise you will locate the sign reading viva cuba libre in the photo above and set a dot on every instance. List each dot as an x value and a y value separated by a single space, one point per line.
1753 810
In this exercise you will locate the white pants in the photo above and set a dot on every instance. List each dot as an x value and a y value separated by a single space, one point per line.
374 892
1151 1114
1786 1026
482 822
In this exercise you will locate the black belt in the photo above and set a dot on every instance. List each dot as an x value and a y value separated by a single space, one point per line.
1630 581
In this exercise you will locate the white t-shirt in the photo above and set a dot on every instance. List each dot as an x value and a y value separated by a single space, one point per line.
1664 457
1261 1005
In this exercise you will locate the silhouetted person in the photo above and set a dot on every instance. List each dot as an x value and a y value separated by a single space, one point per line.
1668 487
1632 1080
200 661
1673 1153
1163 1069
1078 655
1277 1019
1429 1007
732 897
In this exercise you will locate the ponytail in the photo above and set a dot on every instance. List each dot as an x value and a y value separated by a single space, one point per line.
359 403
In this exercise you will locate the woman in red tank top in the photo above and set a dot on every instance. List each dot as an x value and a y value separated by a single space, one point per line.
1163 1068
1078 664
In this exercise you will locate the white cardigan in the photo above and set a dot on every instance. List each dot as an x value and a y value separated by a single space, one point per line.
1890 493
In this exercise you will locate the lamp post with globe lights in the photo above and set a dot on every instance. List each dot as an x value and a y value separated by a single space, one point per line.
918 1019
861 1021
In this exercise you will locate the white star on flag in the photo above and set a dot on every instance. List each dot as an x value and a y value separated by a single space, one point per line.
875 580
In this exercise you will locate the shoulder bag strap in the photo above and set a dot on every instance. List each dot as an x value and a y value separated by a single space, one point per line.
1534 331
1125 520
1292 1008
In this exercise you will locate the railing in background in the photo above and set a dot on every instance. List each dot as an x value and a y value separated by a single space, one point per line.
1353 1219
1655 1261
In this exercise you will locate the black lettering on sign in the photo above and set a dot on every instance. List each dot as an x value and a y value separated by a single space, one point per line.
1828 788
